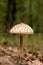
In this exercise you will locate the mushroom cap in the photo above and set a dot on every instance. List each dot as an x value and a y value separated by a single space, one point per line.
21 29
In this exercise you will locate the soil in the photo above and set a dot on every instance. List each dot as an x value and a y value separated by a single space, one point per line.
11 56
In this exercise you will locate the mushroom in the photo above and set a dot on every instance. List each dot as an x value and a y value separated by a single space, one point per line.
21 29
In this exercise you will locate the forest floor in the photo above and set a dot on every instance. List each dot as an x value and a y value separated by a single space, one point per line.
10 56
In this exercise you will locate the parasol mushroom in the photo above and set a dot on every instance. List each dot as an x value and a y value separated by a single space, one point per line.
21 29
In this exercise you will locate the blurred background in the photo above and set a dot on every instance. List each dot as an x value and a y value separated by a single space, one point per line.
13 12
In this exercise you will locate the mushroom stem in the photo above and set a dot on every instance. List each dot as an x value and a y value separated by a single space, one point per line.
21 45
